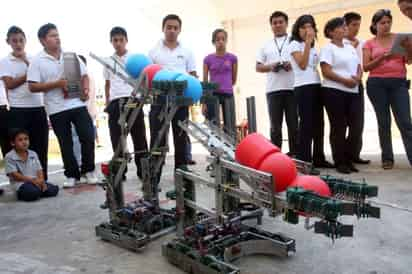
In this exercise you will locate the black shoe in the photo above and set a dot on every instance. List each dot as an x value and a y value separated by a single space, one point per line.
314 172
323 164
361 161
353 168
343 169
387 164
191 162
184 168
1 191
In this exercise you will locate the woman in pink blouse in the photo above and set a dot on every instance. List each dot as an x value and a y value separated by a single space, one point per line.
387 86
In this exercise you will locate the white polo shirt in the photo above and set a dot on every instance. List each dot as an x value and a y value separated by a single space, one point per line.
310 74
179 59
3 95
359 48
45 68
344 62
273 51
28 168
118 87
21 96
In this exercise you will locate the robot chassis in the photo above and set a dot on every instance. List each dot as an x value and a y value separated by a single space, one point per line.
207 243
209 240
135 224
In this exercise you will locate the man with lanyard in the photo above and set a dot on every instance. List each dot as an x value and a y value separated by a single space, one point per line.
274 60
171 55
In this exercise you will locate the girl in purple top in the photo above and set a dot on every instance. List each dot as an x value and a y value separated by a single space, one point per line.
221 68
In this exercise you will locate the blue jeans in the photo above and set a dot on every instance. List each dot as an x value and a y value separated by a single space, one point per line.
388 94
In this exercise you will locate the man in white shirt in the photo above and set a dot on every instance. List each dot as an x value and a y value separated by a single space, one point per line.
274 60
45 74
117 93
353 22
170 54
26 108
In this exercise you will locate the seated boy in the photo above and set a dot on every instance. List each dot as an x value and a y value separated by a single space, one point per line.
24 170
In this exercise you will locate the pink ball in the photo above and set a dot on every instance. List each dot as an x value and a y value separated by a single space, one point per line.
312 183
282 168
151 71
253 149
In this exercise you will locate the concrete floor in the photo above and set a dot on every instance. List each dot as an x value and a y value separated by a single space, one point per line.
56 235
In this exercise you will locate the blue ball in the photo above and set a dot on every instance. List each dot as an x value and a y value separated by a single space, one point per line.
166 75
136 63
194 88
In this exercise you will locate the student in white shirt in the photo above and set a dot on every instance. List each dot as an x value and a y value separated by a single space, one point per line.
172 55
353 22
4 128
4 118
308 92
26 108
117 93
274 60
342 74
45 74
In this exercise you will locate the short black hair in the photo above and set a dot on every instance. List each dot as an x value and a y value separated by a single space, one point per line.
278 14
351 16
401 1
300 22
14 132
15 30
84 60
332 24
44 30
377 17
118 31
171 17
216 32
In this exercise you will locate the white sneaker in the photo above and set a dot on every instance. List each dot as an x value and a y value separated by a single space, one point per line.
91 178
83 179
70 182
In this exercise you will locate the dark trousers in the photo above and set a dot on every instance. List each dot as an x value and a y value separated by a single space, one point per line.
311 123
283 103
34 120
137 131
188 150
29 192
4 131
388 94
180 137
343 108
360 116
227 103
62 126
